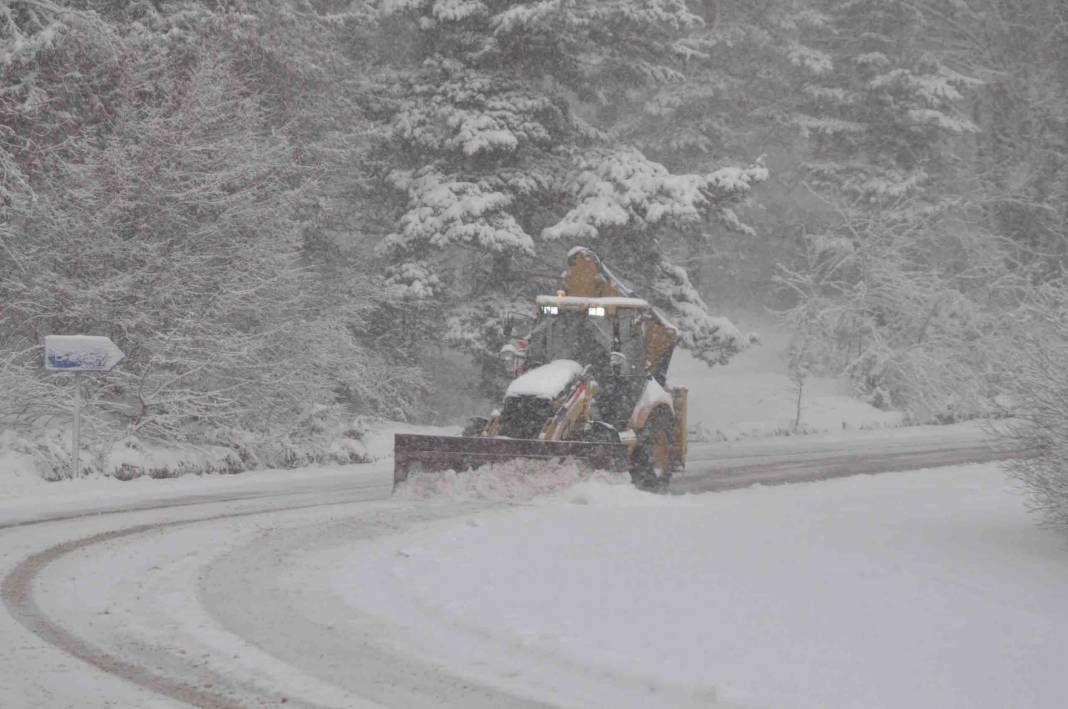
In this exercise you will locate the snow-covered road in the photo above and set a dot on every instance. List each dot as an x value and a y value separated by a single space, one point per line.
316 589
52 618
184 601
923 590
737 464
210 613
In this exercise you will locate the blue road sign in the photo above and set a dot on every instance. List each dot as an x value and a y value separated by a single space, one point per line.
81 353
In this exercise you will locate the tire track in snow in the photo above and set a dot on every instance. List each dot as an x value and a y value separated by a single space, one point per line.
322 631
192 500
17 593
16 589
422 685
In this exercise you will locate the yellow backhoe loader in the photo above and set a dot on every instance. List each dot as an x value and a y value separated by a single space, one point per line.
591 385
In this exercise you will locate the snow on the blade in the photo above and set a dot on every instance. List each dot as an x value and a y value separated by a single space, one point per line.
545 381
512 481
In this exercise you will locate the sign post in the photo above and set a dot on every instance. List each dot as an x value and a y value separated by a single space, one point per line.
78 354
76 437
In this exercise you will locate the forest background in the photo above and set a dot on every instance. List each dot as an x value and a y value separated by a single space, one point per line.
292 212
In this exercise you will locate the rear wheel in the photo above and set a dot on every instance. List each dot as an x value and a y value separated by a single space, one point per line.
653 458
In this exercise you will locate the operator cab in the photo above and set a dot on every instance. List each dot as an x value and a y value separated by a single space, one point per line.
606 333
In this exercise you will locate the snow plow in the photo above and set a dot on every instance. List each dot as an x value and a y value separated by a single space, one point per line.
590 386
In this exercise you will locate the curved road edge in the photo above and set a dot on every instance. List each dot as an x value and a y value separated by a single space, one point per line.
714 467
216 688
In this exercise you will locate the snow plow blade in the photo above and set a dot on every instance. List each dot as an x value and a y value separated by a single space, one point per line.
432 454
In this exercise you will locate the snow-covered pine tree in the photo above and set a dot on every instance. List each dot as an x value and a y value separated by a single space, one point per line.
741 71
881 115
883 125
500 131
1021 163
739 99
626 205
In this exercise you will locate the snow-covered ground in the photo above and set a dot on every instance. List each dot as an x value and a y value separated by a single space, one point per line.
529 583
931 589
18 472
516 585
22 483
753 396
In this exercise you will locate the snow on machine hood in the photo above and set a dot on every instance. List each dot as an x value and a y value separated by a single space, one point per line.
546 381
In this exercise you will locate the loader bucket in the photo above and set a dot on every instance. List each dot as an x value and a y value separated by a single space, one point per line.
414 453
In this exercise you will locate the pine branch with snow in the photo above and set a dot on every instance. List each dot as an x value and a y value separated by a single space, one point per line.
712 339
620 191
445 212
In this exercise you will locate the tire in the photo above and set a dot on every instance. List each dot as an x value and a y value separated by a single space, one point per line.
653 459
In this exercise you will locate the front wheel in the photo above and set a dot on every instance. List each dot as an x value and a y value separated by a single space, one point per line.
652 460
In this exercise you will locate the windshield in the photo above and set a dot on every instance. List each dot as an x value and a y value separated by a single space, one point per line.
569 334
574 334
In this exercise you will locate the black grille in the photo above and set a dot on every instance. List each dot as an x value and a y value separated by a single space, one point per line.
524 416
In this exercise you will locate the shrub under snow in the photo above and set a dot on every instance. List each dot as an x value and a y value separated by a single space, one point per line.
1038 380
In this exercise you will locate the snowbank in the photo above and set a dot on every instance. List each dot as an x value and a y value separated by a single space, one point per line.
18 472
513 481
924 590
28 461
599 492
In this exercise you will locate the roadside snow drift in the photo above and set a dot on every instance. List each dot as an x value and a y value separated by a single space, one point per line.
512 481
931 589
753 395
